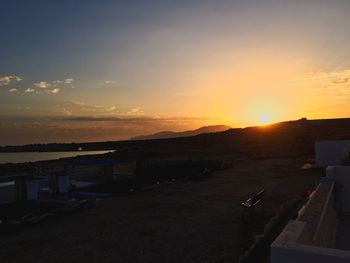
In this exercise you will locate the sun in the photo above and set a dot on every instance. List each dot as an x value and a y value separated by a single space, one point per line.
264 118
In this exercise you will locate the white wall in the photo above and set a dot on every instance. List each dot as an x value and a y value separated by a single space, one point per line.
32 189
330 152
285 248
8 192
342 177
297 253
63 183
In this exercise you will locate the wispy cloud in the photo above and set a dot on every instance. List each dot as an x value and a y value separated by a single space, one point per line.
51 87
55 90
29 90
112 108
87 106
18 78
341 81
42 85
6 80
136 111
326 77
330 84
108 83
78 107
106 118
69 81
68 128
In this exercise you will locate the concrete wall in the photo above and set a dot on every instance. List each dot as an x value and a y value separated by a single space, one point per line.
292 253
325 232
285 248
63 183
32 188
8 192
341 174
290 246
330 152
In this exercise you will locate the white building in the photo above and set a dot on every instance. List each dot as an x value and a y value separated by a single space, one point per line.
330 152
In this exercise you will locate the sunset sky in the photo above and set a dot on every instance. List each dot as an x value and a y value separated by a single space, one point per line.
110 70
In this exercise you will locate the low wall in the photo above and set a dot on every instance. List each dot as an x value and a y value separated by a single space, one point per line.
320 217
310 238
293 252
341 174
324 235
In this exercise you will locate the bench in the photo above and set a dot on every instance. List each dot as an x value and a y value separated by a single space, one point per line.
253 200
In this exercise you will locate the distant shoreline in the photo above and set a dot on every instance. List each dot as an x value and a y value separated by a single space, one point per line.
25 157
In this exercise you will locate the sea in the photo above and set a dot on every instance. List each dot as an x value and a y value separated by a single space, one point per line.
22 157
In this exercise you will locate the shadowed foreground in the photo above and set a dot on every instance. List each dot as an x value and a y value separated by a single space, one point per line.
181 222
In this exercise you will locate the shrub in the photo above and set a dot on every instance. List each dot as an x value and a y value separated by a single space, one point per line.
261 246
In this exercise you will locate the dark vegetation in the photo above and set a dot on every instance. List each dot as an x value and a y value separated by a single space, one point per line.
18 217
260 244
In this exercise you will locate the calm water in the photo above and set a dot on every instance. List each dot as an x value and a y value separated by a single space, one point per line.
22 157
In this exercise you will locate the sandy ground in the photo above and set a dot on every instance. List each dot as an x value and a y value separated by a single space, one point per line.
181 222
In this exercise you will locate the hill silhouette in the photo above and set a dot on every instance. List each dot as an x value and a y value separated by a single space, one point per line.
171 134
290 138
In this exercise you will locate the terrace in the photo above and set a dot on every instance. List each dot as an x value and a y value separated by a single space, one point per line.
321 231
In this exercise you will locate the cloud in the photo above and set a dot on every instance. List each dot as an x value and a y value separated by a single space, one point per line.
107 83
326 85
42 85
86 106
79 108
125 118
55 90
135 111
65 112
29 90
68 81
113 108
5 80
51 87
18 78
83 108
341 81
326 77
13 90
102 118
68 127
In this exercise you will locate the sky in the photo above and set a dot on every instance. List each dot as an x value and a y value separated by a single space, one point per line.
75 71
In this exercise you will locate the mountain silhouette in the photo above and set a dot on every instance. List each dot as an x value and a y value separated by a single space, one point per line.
171 134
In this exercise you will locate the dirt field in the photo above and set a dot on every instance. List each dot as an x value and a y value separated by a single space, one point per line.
181 222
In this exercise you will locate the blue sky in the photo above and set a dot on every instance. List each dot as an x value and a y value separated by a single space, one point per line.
181 64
